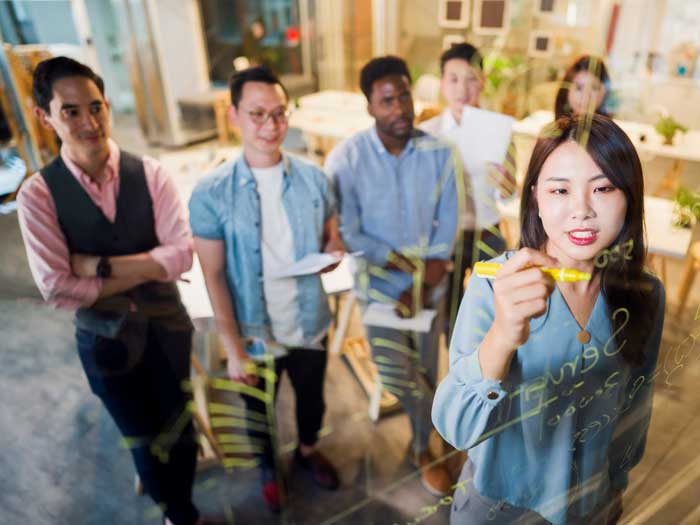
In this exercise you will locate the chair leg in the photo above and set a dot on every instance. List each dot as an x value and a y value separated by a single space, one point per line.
691 268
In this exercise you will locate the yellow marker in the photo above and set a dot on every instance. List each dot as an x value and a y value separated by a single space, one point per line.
488 270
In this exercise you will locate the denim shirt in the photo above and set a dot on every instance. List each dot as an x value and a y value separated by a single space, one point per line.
407 204
225 206
564 428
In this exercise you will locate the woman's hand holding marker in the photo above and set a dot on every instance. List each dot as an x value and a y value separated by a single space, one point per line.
520 290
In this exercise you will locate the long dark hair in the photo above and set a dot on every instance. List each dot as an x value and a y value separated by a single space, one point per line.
623 280
592 65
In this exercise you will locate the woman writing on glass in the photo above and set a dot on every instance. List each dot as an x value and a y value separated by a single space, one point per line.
550 383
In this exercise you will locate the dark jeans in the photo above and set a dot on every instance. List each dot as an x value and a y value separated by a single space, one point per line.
307 371
142 391
472 251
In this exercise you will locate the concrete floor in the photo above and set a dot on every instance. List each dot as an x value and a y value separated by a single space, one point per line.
61 460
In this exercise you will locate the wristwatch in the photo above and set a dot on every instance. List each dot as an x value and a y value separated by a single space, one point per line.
104 268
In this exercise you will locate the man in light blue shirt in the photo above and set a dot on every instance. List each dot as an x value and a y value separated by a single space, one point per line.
253 217
399 206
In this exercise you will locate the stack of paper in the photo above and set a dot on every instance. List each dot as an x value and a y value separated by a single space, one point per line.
310 264
378 314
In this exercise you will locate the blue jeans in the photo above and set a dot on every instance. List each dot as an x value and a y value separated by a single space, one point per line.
141 388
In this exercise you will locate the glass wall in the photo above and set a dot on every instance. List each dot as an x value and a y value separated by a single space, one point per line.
265 32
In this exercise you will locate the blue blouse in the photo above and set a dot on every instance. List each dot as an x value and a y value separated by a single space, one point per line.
569 421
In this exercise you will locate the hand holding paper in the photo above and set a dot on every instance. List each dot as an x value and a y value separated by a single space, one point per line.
378 314
310 264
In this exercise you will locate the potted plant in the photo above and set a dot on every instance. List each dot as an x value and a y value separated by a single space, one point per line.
667 126
687 209
503 74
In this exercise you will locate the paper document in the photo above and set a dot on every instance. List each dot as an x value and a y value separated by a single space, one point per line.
379 314
484 135
310 264
341 279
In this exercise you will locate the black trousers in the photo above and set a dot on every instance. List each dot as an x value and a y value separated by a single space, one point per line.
142 389
472 251
307 371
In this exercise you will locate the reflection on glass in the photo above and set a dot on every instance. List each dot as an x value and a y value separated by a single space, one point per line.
265 32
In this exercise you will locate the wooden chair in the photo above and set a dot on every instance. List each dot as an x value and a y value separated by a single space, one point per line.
210 451
359 355
33 141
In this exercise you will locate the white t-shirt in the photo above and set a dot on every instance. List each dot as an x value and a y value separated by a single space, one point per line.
484 193
277 249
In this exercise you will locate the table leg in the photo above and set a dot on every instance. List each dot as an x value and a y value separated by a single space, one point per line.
669 182
342 322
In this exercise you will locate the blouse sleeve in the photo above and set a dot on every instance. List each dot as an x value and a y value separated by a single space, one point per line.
465 403
629 440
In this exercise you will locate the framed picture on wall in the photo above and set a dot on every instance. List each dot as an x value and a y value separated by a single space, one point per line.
449 40
545 7
541 44
491 17
453 14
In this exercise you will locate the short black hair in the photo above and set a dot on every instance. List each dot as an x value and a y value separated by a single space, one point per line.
49 71
252 74
462 51
381 67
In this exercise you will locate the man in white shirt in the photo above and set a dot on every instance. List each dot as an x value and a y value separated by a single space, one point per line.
252 217
461 84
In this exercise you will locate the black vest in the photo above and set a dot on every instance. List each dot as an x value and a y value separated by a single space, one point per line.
88 231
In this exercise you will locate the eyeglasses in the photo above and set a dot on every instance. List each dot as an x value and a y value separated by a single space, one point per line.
260 117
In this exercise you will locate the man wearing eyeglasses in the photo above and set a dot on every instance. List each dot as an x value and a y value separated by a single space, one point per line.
252 217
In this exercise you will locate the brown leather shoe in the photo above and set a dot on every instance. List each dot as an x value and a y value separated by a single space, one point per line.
434 475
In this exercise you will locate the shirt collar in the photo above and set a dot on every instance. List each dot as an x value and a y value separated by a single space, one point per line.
111 168
245 174
379 146
448 122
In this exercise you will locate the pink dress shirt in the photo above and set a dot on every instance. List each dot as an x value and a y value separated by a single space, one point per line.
47 250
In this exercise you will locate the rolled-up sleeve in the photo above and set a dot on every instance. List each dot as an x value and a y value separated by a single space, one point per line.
174 252
204 218
338 168
465 402
47 251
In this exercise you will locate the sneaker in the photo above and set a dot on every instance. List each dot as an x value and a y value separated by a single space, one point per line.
322 472
434 476
271 495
